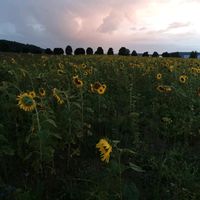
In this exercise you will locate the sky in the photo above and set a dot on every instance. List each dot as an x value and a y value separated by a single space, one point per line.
141 25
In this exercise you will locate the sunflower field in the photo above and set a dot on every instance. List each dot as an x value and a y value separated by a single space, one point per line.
99 128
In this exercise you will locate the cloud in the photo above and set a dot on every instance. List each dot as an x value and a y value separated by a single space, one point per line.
175 25
115 23
111 23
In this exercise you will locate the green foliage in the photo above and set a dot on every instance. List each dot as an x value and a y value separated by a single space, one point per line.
149 115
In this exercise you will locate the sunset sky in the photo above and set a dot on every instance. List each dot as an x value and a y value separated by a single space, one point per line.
143 25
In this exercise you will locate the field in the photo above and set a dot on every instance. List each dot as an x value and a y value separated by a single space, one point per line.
99 128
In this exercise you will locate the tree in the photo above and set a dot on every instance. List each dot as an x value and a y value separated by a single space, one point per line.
145 54
193 54
175 55
4 47
58 51
155 54
89 51
134 53
79 51
99 51
68 50
165 54
110 51
123 51
48 51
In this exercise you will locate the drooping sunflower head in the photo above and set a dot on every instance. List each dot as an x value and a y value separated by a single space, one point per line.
183 78
105 149
60 72
42 92
26 102
159 76
164 88
77 82
57 96
160 88
171 68
61 66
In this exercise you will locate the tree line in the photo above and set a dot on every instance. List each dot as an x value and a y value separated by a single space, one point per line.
9 46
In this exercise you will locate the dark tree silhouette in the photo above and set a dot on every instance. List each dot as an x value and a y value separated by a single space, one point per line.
48 51
58 51
110 51
145 54
4 47
123 51
155 54
99 51
12 46
89 51
79 51
134 53
68 50
165 54
193 54
25 49
175 55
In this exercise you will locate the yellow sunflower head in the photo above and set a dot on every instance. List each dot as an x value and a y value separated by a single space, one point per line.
101 90
183 78
105 149
160 88
83 66
26 102
57 97
171 68
77 82
159 76
32 93
42 92
164 88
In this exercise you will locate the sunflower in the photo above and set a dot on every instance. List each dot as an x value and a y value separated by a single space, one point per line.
164 88
183 78
61 66
160 88
92 88
171 68
32 93
78 82
96 86
26 102
101 90
159 76
57 97
60 72
105 149
42 92
83 66
168 88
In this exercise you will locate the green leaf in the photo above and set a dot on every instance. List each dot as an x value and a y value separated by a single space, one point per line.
128 151
135 167
130 191
52 122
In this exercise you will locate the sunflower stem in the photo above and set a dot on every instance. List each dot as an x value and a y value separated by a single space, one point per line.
39 129
120 175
